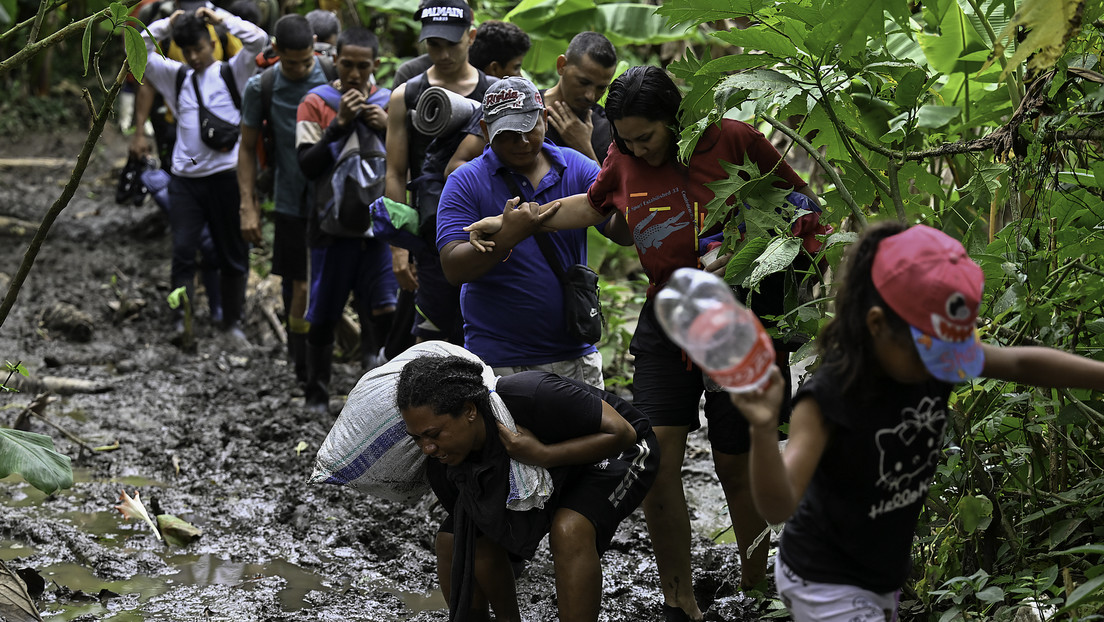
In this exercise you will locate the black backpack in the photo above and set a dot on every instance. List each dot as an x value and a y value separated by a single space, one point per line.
266 173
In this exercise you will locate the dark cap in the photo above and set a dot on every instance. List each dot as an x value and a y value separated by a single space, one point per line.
444 19
190 5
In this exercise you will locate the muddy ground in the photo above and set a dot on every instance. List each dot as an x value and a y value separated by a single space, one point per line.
211 437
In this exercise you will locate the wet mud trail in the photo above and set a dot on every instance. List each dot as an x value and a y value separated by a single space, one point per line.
215 438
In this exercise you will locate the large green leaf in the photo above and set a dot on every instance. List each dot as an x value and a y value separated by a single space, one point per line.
760 38
934 117
850 23
718 209
757 190
699 12
698 102
540 16
735 62
767 80
33 456
1091 590
397 7
956 38
135 51
743 261
543 53
637 24
975 513
826 134
779 255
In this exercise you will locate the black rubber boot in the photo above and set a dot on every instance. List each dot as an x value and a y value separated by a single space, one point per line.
319 370
297 354
233 304
371 345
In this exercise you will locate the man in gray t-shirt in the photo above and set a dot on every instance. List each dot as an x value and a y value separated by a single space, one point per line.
298 71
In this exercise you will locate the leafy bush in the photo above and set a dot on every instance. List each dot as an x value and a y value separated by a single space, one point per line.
913 112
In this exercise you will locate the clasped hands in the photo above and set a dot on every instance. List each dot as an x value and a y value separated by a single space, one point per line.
516 216
354 103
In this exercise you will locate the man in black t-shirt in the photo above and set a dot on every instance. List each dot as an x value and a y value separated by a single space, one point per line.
574 117
447 31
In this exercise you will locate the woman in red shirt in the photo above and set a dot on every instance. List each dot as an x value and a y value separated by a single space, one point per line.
662 202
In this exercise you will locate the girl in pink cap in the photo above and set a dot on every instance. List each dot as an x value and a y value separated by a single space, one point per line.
866 430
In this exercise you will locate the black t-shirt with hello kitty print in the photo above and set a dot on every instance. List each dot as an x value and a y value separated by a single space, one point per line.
856 522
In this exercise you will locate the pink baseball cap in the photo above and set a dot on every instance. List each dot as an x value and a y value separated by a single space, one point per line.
927 278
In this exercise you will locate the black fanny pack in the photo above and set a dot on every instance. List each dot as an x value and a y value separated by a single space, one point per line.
215 132
582 310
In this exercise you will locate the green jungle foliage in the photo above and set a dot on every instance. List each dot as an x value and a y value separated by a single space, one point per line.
913 112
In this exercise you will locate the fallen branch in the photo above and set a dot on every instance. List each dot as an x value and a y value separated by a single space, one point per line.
62 386
73 437
15 227
275 323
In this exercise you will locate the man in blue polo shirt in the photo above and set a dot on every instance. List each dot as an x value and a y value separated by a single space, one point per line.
511 300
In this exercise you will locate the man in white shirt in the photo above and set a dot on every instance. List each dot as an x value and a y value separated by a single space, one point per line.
204 186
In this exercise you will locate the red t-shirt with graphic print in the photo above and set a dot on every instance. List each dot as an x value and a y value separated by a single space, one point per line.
665 205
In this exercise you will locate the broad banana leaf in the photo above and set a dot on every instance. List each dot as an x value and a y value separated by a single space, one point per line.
33 456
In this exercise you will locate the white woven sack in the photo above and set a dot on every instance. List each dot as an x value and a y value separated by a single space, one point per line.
368 448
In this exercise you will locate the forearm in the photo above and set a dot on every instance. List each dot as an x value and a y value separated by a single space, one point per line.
466 151
247 171
143 104
1043 367
395 185
588 449
397 161
575 212
463 263
252 37
770 483
157 31
617 230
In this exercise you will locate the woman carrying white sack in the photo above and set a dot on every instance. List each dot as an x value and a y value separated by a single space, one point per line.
598 451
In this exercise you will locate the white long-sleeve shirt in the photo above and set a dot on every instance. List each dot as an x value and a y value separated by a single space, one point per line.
191 157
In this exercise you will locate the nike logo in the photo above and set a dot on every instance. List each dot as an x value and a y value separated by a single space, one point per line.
593 312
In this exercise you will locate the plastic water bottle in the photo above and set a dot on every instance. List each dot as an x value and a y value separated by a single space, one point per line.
699 312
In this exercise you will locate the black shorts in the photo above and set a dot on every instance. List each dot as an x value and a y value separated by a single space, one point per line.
289 247
668 387
605 493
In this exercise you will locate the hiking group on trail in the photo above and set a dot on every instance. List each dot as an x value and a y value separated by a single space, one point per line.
472 231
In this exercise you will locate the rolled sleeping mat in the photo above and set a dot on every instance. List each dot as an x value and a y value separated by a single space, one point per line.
440 111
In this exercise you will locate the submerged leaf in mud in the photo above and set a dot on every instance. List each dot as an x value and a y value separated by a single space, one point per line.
15 603
133 508
177 532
